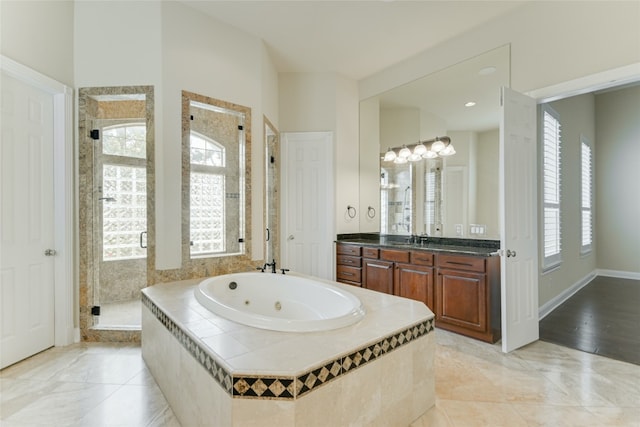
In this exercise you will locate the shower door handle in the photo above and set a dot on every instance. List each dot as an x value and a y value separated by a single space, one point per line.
142 245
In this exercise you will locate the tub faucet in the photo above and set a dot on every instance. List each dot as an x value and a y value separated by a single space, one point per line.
272 264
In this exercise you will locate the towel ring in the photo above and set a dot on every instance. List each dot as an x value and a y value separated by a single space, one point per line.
351 211
371 209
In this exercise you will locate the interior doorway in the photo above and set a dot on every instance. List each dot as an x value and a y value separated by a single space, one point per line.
116 209
308 226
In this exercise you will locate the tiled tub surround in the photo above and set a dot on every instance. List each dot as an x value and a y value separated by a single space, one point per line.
217 372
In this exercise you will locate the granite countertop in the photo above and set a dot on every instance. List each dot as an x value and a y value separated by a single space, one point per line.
434 244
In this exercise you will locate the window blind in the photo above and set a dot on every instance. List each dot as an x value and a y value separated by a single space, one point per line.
551 165
586 197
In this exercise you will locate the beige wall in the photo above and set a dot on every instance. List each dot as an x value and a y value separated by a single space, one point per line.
551 42
39 34
617 168
488 155
577 117
155 44
318 102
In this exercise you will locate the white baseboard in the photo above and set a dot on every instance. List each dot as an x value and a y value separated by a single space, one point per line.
619 274
553 303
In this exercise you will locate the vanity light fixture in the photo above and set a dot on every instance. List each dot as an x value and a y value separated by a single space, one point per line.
400 160
428 149
404 152
420 149
437 145
447 151
390 155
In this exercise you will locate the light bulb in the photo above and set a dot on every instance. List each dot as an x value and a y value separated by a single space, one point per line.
449 151
437 146
404 152
420 149
430 155
390 155
414 157
400 160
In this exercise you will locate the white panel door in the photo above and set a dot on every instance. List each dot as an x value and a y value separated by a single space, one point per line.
307 203
518 209
26 273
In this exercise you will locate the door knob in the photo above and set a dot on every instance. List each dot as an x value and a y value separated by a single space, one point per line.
49 252
510 253
291 237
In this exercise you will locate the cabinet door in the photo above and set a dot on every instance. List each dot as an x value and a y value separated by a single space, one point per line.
461 299
415 282
377 275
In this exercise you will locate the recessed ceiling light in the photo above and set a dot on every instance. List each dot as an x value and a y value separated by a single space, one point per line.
487 70
470 104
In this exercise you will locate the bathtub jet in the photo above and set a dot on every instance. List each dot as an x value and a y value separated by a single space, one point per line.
287 303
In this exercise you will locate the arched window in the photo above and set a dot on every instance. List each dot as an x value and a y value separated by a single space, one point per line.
128 140
207 195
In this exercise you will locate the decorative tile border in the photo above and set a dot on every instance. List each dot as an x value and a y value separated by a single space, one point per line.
288 388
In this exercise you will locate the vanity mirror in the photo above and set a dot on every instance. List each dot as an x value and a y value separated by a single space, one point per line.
453 195
214 162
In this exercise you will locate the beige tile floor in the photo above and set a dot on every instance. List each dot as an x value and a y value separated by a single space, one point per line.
100 384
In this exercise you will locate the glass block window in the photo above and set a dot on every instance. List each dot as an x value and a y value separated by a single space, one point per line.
124 211
125 140
207 213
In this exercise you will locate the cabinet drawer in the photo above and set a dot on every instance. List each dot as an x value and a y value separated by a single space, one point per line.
370 253
349 274
391 255
353 250
422 258
352 261
462 262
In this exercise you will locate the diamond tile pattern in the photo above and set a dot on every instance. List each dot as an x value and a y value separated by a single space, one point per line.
288 388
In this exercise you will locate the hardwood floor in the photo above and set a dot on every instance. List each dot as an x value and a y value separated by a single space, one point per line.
602 318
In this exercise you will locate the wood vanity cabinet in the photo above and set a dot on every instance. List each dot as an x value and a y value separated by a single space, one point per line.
349 264
463 291
378 267
467 295
415 282
377 275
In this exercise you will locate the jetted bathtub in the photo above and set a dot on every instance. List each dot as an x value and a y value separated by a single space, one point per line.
289 303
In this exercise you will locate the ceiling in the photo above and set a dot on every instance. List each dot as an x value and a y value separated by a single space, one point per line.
353 38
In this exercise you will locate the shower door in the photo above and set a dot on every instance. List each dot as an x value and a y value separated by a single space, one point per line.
119 220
